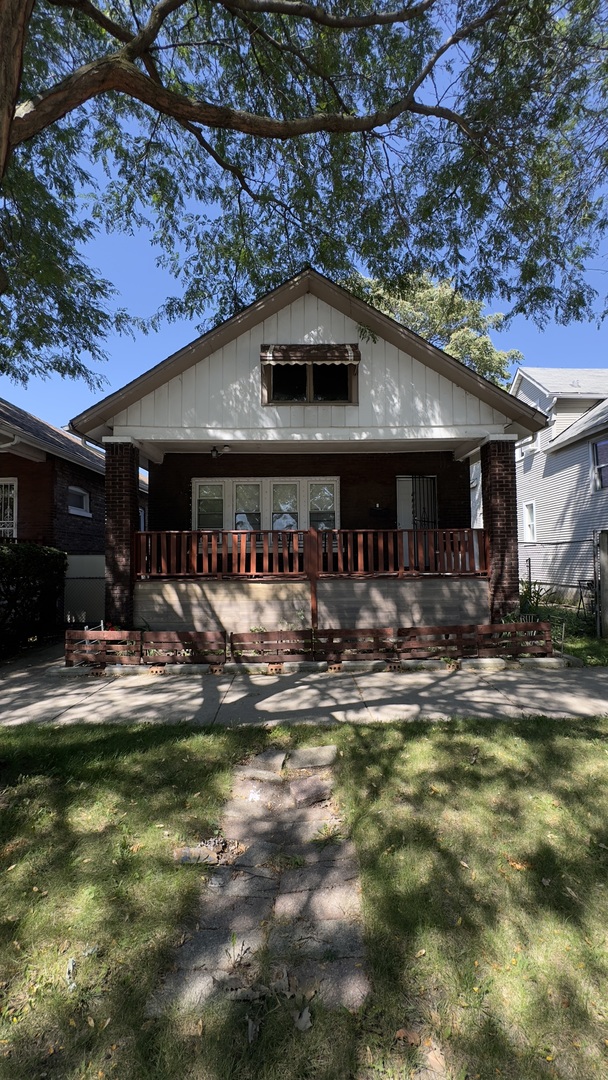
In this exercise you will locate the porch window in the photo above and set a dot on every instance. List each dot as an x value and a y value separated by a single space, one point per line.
285 506
8 507
600 460
276 502
309 374
247 507
530 522
322 506
210 506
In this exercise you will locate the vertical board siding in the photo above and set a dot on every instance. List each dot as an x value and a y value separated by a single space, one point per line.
223 391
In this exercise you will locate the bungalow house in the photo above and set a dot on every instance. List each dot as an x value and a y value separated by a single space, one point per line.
309 463
562 474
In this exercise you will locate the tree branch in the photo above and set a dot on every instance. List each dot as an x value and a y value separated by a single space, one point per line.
287 47
116 73
95 15
316 14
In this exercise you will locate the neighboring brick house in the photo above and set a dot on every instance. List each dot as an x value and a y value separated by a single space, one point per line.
309 463
52 491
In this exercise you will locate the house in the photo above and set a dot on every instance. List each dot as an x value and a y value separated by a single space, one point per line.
562 474
309 463
52 491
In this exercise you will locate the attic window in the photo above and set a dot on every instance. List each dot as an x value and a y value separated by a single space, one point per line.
309 374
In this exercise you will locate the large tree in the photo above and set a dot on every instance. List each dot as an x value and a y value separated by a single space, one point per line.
460 138
446 318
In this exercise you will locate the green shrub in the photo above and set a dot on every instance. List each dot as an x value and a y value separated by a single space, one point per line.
533 596
31 585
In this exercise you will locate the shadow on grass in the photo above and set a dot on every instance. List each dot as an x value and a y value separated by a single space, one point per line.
483 865
484 873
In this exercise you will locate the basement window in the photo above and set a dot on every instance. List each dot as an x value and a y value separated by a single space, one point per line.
79 502
309 374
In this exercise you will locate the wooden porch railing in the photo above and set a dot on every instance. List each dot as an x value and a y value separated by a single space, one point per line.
310 553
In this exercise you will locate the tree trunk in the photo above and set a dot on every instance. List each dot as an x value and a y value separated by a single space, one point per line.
14 21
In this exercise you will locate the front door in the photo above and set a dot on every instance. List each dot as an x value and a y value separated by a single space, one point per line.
416 502
405 509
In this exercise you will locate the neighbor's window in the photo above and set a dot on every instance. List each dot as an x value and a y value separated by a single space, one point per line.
8 508
309 374
530 522
79 502
600 459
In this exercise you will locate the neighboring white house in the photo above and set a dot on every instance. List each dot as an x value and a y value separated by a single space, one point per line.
562 473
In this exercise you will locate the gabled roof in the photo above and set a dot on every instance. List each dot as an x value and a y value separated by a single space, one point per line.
20 428
593 422
565 382
95 422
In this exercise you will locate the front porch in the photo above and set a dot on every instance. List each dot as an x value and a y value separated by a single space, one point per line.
348 578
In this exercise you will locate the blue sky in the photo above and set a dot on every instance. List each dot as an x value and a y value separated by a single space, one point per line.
129 263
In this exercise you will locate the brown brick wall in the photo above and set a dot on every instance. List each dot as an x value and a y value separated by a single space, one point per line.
365 479
499 496
122 520
34 496
73 533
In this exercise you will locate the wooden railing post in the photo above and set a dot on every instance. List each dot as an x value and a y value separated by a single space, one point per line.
311 569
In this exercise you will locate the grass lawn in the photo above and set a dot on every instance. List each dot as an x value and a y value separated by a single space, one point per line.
483 848
578 631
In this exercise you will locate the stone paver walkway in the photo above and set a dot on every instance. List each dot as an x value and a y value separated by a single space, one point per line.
284 916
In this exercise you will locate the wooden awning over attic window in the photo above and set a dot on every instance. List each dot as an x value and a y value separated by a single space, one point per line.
310 354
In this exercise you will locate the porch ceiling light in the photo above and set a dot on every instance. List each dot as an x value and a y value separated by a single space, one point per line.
216 452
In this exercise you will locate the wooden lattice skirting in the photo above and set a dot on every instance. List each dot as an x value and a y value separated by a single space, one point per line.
159 647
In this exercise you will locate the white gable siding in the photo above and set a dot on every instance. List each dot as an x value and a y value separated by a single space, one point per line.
567 411
220 396
533 395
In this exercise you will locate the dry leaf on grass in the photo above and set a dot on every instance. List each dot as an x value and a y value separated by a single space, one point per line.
516 865
302 1019
407 1035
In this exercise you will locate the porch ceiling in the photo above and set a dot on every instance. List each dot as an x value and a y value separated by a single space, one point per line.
461 446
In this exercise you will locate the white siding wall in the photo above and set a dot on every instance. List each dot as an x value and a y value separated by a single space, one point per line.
220 396
568 508
566 412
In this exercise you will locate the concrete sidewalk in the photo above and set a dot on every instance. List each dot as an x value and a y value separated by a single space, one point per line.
31 691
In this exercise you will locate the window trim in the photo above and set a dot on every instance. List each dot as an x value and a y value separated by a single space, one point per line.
228 487
84 511
529 525
12 480
309 355
598 470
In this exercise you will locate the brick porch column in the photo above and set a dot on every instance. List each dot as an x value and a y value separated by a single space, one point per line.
499 495
122 520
